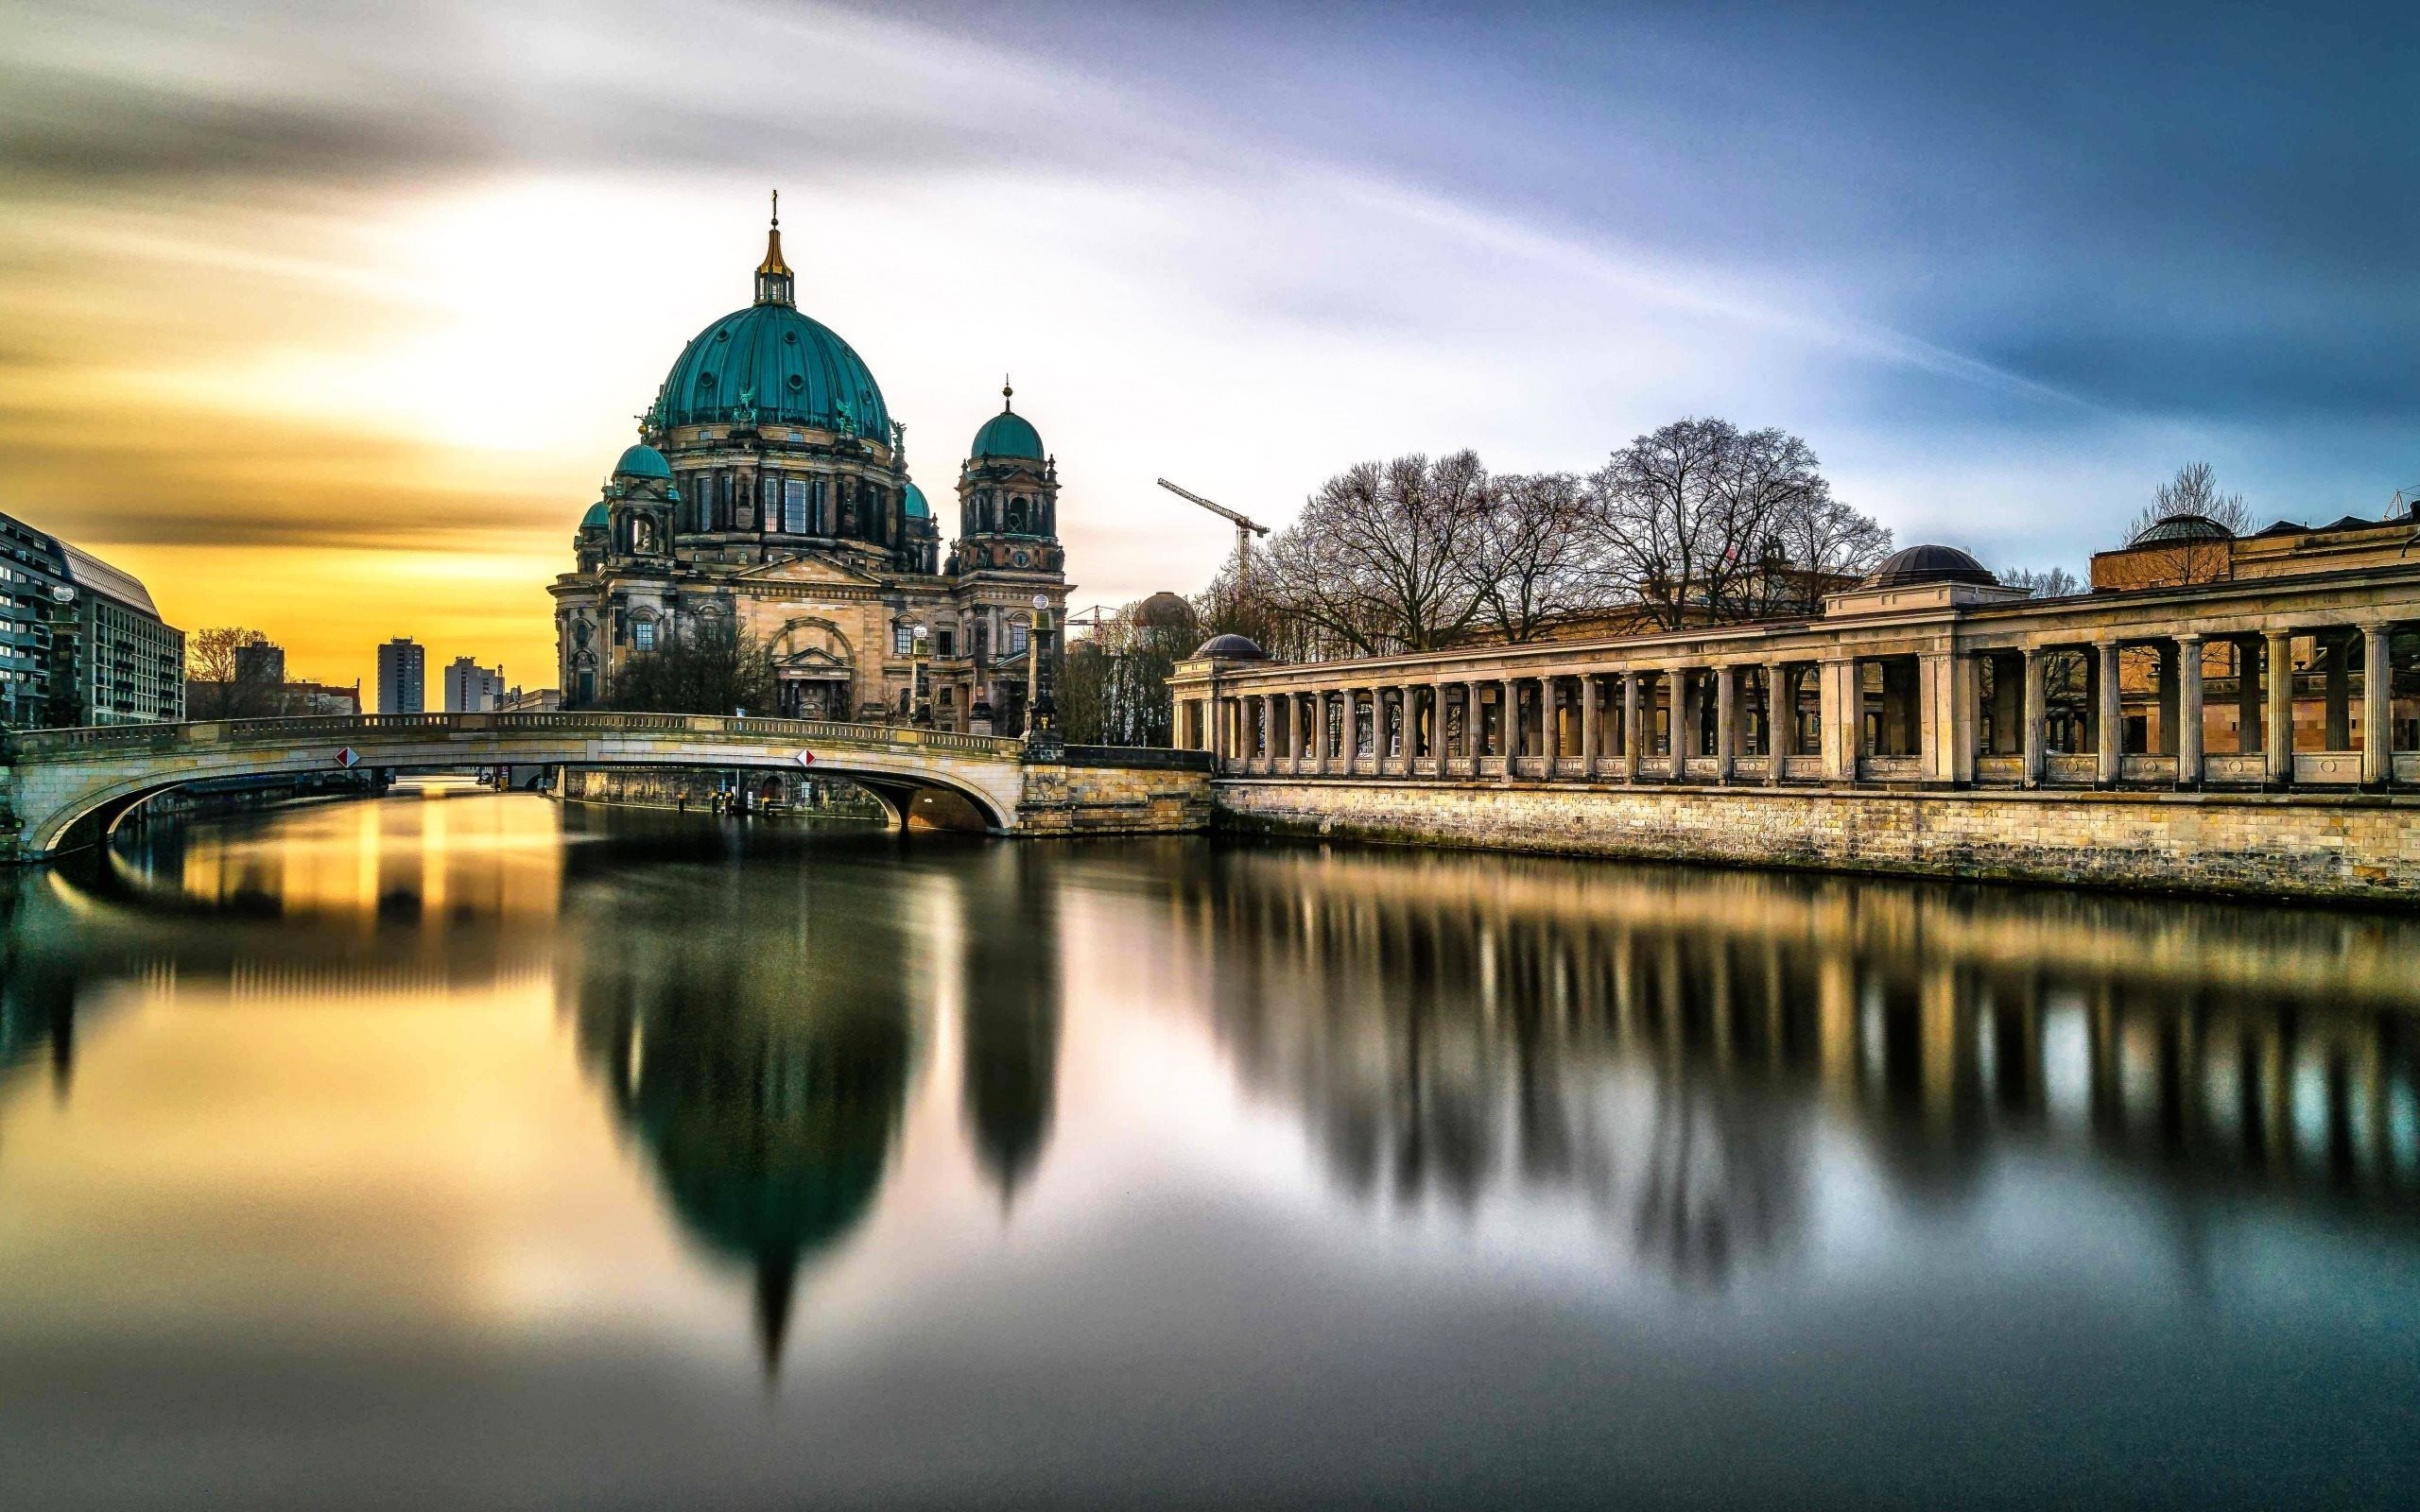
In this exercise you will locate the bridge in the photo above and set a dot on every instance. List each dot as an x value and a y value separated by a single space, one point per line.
68 787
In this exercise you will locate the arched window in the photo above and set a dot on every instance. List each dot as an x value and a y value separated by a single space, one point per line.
643 633
903 637
1019 632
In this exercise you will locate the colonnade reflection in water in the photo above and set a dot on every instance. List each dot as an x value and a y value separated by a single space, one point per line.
1664 1044
1673 1052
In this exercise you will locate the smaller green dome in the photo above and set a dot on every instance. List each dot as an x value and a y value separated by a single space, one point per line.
643 461
1007 434
916 506
594 517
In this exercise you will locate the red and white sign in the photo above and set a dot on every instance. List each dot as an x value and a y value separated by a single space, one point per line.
806 758
348 758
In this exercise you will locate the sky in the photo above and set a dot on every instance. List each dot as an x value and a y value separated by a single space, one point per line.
330 320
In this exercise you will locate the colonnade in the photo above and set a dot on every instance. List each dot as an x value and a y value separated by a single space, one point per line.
2110 710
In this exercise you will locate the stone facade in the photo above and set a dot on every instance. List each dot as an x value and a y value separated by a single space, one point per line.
2347 846
1089 796
770 490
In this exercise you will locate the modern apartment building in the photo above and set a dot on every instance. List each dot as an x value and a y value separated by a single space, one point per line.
80 641
403 666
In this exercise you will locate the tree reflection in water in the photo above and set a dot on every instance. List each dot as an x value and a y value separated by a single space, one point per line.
1665 1043
766 1086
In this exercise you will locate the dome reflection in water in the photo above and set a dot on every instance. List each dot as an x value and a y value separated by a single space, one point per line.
570 1151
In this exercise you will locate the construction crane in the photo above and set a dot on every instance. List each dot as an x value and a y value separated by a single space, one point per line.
1245 529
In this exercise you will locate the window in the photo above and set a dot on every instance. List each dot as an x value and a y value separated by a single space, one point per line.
1017 633
772 500
903 637
643 635
794 506
948 642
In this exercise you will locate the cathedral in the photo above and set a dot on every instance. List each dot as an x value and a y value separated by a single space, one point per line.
769 486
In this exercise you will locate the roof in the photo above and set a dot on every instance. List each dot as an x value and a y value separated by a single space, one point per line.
1928 565
596 517
643 461
787 367
88 571
1007 434
915 505
2179 528
1232 647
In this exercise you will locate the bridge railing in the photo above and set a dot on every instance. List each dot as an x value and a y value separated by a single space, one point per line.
36 744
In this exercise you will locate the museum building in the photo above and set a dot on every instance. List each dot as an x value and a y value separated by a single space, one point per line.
769 492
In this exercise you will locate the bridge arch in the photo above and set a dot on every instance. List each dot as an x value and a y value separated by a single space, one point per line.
73 785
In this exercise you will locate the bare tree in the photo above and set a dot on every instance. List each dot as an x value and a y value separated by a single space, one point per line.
213 689
2048 582
1532 564
2185 553
1822 542
712 665
1113 689
1380 559
1694 520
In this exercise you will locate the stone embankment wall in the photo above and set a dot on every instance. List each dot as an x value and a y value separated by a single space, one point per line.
1077 798
2339 847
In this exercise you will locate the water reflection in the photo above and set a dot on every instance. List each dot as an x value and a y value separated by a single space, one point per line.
1659 1043
766 1085
1257 1176
1009 991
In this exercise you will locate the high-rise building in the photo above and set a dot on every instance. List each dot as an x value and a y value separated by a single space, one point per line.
472 689
260 662
403 668
81 641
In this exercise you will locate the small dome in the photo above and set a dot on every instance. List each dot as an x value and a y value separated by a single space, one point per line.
643 461
1231 647
1165 610
1928 565
1007 434
915 505
2181 527
596 518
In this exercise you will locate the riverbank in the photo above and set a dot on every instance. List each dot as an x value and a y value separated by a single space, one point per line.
2352 848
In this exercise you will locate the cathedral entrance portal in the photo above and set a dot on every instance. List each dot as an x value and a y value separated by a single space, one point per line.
814 698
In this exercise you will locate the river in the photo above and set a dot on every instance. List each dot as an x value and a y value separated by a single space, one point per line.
477 1151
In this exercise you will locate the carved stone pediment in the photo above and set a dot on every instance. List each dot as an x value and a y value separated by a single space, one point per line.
812 568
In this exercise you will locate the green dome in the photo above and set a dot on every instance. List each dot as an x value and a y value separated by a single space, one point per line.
1007 434
596 516
643 461
793 370
914 503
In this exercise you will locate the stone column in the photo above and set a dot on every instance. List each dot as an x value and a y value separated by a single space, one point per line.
1589 693
1630 742
2037 712
2277 670
1726 719
1781 720
2164 684
1437 726
1689 720
2108 728
2378 710
2339 733
1938 726
1508 724
1962 686
1319 732
2247 717
1269 740
1837 692
2189 711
